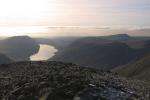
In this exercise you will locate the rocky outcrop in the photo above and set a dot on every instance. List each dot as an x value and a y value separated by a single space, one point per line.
66 81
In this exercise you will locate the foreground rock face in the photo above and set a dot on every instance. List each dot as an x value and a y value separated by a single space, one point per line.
65 81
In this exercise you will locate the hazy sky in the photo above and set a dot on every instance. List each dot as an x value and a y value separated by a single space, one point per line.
111 13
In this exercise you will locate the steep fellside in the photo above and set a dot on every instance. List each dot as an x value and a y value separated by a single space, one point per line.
65 81
104 52
139 69
19 47
4 59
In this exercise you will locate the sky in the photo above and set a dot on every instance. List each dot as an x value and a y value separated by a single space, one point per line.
83 13
75 12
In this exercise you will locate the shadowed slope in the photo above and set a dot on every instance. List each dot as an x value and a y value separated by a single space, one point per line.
139 69
19 47
4 59
104 52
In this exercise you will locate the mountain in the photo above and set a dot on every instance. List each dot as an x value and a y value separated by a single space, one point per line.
104 52
19 47
58 42
118 37
4 59
139 69
66 81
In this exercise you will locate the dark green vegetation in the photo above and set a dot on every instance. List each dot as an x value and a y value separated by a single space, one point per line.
139 69
18 48
66 81
105 52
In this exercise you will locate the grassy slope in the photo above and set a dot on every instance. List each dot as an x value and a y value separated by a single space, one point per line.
139 69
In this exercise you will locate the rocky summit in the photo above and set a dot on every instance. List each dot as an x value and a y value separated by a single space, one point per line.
66 81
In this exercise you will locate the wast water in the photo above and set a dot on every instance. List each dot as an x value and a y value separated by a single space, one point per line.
45 52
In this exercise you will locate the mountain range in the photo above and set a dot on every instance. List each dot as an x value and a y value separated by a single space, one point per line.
58 42
102 63
105 52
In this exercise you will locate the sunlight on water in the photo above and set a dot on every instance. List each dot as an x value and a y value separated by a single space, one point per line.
45 52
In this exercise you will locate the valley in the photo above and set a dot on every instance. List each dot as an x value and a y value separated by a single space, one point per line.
89 68
74 49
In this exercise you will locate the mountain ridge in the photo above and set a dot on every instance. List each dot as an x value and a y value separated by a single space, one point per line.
104 52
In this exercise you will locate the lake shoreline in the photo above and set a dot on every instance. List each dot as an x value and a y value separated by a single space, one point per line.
45 52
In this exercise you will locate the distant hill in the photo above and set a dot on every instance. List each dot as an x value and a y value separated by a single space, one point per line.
104 52
4 59
19 47
58 42
139 69
66 81
118 37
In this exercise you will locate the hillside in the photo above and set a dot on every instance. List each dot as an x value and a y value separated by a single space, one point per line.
4 59
139 69
60 43
66 81
104 52
19 47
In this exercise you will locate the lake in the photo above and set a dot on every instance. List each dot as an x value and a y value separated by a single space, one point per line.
45 52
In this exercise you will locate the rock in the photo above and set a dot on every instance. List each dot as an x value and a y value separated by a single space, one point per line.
62 81
29 97
16 91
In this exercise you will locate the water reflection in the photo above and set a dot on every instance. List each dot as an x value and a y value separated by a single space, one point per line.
45 52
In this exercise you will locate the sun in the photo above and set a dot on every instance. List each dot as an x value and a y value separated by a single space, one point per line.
23 11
